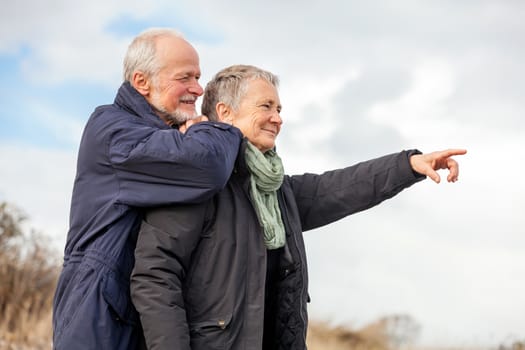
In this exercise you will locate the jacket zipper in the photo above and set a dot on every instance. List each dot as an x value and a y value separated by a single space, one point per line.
302 257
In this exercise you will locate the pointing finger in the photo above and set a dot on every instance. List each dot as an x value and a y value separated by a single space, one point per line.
452 152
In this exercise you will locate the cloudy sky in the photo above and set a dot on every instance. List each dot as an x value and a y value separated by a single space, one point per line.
357 81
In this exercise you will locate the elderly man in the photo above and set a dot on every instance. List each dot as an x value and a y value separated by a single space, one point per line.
231 273
133 156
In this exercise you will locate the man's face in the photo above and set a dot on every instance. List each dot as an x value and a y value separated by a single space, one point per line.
176 88
258 115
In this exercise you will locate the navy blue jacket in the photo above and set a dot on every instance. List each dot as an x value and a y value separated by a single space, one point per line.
129 159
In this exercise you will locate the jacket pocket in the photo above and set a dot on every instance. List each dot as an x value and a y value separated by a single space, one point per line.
210 334
79 281
116 294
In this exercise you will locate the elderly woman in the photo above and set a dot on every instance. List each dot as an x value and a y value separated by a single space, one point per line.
231 273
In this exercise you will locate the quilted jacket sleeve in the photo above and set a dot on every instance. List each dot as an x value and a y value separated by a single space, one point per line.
159 166
166 241
325 198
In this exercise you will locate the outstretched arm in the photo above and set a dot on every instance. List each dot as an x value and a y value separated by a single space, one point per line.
323 199
428 163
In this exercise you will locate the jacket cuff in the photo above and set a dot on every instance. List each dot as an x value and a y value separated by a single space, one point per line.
409 154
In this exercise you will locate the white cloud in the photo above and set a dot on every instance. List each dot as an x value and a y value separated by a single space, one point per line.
39 182
356 79
67 40
66 129
432 84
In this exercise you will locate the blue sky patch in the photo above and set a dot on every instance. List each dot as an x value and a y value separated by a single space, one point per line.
32 113
192 29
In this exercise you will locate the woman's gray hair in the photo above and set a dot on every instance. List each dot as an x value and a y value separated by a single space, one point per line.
142 52
229 86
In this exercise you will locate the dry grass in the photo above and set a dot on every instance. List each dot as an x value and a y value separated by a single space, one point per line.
387 333
28 275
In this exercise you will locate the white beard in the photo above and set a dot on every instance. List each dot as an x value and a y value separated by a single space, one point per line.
179 117
173 118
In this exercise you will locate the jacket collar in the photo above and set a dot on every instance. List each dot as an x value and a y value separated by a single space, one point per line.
240 167
129 99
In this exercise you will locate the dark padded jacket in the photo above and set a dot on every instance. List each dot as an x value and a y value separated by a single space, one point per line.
199 276
128 159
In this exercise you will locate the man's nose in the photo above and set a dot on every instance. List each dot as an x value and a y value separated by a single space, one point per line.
196 88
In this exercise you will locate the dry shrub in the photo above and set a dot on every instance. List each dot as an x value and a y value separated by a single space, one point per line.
512 344
387 333
28 275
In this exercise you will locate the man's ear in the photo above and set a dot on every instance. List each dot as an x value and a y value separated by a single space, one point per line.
224 113
141 83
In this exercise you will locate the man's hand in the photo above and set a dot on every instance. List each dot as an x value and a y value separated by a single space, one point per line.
184 126
428 163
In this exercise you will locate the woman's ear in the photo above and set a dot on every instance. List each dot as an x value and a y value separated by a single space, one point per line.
224 113
141 83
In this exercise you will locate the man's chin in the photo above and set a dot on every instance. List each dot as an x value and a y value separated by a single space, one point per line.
187 114
183 116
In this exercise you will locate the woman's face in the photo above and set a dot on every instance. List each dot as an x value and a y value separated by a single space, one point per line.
258 115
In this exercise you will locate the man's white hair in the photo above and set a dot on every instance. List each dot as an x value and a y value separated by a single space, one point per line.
141 53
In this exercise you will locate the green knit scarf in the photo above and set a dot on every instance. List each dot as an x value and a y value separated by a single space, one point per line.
267 175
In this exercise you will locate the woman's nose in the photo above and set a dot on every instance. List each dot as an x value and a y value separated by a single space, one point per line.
276 118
